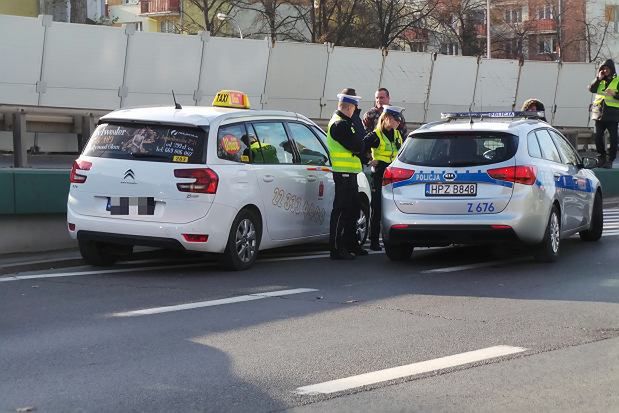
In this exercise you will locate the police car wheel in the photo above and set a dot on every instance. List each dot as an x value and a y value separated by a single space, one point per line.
243 241
398 252
363 223
548 249
594 233
102 253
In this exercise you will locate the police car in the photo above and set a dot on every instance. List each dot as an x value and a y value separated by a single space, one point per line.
487 178
223 179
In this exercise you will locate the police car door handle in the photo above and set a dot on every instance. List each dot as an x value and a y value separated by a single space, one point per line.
311 178
268 178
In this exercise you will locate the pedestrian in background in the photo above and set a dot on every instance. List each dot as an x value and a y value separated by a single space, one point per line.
385 141
346 148
534 105
370 119
605 111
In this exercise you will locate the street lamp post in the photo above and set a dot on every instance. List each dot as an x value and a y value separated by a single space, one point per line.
224 16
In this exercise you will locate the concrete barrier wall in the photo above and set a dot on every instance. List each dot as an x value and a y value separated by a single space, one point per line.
57 64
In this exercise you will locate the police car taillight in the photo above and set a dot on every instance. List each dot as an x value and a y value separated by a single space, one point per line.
393 174
206 180
79 165
521 174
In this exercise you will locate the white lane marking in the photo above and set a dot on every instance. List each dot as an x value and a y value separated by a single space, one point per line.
473 266
212 303
98 272
408 370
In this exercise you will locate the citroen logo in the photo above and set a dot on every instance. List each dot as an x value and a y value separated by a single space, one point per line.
129 174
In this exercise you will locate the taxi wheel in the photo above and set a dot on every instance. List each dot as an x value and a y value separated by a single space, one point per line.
103 254
548 249
594 233
398 252
243 241
363 223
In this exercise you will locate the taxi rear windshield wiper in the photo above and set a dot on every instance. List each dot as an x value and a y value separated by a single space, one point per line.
148 155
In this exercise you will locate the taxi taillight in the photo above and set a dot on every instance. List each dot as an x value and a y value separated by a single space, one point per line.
393 174
520 174
79 165
205 180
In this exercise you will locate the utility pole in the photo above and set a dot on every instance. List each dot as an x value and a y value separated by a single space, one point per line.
488 29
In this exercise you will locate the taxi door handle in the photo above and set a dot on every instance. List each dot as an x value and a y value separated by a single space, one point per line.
268 178
311 178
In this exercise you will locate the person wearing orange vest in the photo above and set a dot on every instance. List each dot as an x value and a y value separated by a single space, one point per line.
345 148
605 111
385 142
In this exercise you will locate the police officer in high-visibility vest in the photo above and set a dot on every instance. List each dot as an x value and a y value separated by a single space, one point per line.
385 141
605 111
345 148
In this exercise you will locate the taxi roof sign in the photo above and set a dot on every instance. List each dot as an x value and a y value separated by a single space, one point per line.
231 99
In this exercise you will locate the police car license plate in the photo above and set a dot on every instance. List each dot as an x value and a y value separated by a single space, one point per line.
124 205
451 189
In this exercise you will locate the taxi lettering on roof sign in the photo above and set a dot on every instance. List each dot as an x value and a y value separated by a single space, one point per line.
231 99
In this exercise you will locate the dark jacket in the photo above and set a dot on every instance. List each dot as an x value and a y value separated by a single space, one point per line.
603 112
347 133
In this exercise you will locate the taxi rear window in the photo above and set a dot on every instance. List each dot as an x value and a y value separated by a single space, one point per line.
459 149
145 142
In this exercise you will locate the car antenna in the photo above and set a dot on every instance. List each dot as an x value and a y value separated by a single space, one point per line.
176 104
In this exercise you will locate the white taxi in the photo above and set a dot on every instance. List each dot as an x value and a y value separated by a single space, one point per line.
223 179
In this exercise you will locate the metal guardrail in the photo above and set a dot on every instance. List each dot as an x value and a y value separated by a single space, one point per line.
23 119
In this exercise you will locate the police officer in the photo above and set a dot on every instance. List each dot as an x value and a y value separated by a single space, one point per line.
384 141
345 147
605 111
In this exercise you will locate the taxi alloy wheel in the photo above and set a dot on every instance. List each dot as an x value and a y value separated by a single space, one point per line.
548 250
362 228
243 241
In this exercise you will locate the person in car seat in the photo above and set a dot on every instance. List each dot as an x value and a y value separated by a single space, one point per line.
385 142
262 152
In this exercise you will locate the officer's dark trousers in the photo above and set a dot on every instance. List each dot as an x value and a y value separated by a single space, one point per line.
376 202
600 145
345 213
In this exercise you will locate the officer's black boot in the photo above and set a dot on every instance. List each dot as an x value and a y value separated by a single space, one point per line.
375 245
358 251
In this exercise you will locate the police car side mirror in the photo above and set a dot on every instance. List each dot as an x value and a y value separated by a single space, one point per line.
589 163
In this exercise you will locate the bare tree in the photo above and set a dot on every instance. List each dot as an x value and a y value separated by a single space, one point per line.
459 21
278 19
79 11
391 19
333 21
201 15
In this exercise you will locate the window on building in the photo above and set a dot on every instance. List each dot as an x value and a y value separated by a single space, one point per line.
167 26
449 48
545 12
612 17
546 45
418 46
513 15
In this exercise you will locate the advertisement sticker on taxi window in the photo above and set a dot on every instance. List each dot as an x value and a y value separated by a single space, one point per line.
231 144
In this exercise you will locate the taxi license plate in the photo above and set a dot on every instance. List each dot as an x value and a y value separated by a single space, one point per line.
451 189
125 205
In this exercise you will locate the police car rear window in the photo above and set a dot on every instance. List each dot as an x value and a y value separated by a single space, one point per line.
154 143
458 149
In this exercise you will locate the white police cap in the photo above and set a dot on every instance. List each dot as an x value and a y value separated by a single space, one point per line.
349 95
395 111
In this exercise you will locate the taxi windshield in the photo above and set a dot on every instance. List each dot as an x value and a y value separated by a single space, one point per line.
459 149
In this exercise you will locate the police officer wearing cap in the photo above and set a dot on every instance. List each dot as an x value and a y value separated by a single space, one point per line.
385 141
345 147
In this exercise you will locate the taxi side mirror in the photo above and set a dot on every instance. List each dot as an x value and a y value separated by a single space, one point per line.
589 163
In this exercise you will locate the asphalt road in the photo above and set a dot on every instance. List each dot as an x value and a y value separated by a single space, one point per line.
72 341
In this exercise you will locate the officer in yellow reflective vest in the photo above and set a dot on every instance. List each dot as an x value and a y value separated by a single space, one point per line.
385 141
605 111
345 146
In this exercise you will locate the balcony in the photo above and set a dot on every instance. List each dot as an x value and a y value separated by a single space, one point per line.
542 26
160 7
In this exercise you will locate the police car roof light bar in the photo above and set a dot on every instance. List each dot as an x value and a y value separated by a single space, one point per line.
495 115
